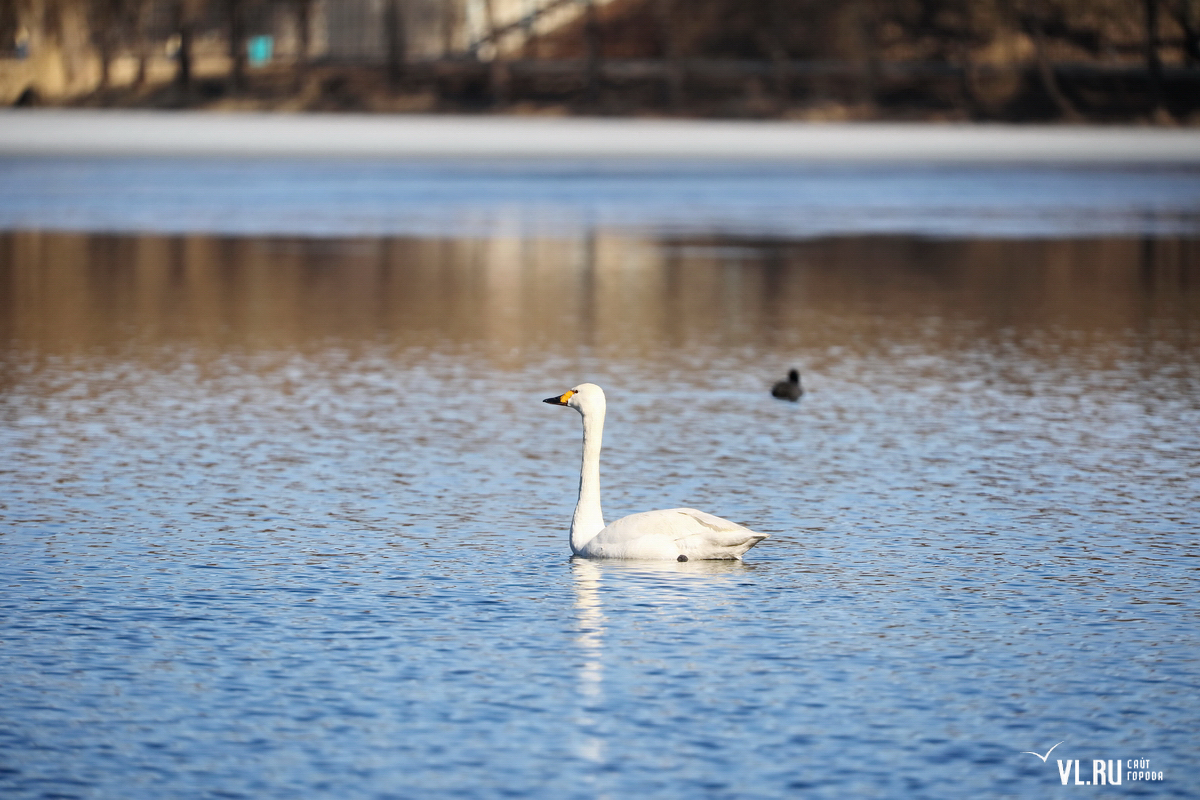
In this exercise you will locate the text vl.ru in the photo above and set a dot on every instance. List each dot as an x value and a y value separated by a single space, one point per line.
1104 774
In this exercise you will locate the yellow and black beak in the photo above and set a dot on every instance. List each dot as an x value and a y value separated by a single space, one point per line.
561 400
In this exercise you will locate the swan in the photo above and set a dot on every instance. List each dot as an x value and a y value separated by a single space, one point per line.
789 389
675 534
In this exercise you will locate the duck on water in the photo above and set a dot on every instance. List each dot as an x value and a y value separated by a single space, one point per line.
789 389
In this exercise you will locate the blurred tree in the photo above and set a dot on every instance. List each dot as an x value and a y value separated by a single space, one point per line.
592 37
1035 17
235 13
771 35
498 74
1153 60
10 25
303 13
797 48
106 20
669 48
1184 12
184 20
396 35
137 13
449 22
102 23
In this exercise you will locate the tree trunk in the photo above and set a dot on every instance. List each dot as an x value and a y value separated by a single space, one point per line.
1153 62
499 70
303 9
529 47
140 45
670 47
139 78
591 33
396 42
769 44
103 21
449 21
183 24
303 28
237 43
1191 36
1046 72
104 46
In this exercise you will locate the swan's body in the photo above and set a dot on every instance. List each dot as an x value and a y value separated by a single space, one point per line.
789 389
676 534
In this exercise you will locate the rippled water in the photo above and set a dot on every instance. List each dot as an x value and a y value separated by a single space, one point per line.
286 517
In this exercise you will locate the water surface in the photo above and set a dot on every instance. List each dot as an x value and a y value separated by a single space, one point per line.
556 198
285 517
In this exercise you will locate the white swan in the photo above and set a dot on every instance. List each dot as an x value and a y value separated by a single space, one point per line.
676 534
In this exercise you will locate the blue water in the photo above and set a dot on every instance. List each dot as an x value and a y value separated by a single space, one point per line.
332 197
285 516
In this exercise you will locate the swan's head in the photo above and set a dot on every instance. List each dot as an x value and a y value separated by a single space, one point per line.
586 398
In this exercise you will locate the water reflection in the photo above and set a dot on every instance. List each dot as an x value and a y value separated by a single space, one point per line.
61 293
590 641
670 591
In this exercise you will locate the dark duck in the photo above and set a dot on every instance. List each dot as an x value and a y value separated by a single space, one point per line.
789 389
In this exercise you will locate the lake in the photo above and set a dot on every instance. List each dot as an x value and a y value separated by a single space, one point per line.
283 514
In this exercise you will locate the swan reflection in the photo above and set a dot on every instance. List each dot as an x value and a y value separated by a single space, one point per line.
664 584
590 639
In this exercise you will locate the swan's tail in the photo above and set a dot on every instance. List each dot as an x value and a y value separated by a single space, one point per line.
722 539
740 549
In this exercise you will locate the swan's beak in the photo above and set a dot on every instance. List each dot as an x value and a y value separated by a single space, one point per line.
561 400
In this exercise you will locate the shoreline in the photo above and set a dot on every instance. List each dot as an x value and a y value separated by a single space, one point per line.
82 133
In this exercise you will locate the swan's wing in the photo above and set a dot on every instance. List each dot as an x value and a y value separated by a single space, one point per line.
673 532
711 522
708 530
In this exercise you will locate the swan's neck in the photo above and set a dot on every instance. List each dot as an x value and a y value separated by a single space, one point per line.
589 519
